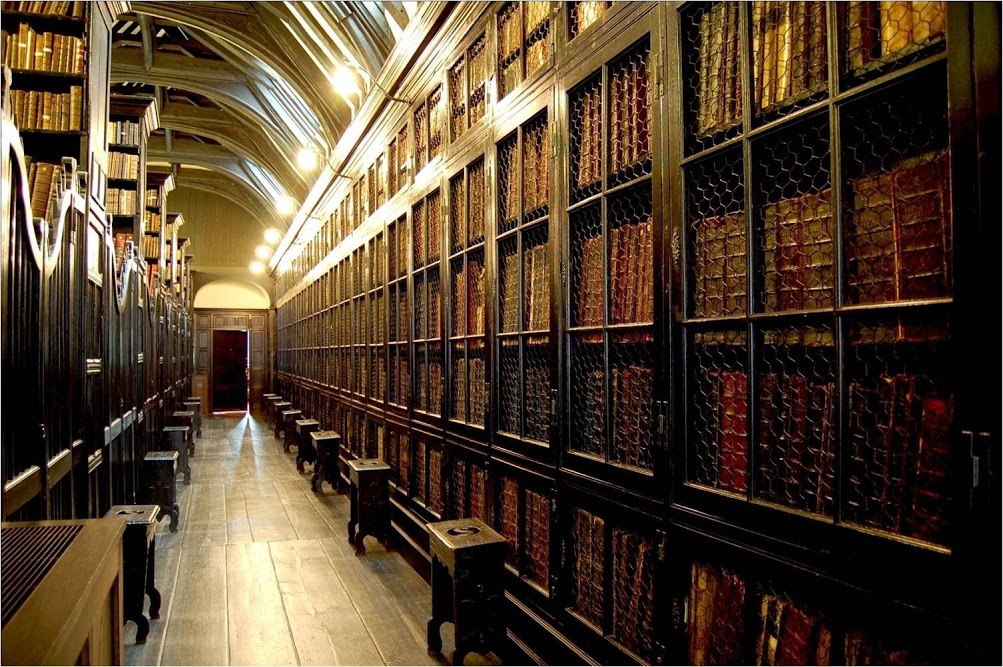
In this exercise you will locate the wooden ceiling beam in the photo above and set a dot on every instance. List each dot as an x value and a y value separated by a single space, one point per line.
149 40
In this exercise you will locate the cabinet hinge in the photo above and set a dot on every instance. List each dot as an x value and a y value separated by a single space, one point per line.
662 547
553 402
659 76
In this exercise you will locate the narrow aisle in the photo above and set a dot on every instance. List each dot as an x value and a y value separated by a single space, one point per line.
261 572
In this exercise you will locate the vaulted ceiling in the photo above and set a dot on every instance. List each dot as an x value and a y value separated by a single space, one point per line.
243 86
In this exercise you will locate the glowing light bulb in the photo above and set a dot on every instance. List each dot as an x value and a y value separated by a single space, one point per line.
257 267
344 82
307 159
263 252
272 236
285 205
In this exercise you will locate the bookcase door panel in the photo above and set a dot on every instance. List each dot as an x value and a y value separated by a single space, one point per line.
612 341
818 273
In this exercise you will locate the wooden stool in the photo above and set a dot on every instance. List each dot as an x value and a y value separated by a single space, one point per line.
305 452
280 407
344 475
194 403
468 574
273 409
325 469
288 420
186 418
176 438
159 473
370 501
139 559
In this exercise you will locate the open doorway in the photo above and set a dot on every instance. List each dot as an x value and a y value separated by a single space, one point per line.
229 370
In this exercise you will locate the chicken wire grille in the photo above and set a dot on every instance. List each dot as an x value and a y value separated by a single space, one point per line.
586 143
435 123
420 489
458 99
793 195
897 195
508 518
629 115
901 407
796 418
509 49
583 14
436 487
420 124
509 399
717 410
630 258
508 184
536 522
457 213
717 254
633 573
536 168
477 202
434 227
477 55
878 37
537 35
587 566
712 76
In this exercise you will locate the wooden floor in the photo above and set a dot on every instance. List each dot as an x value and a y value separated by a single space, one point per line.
261 572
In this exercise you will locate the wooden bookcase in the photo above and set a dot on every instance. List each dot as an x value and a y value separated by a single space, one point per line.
701 259
158 186
132 118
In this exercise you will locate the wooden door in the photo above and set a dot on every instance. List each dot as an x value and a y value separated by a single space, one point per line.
229 370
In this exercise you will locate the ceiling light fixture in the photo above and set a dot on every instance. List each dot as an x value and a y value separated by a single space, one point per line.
285 205
272 236
263 252
307 159
346 82
257 267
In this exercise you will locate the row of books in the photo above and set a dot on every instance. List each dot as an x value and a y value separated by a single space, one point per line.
508 519
42 51
509 293
123 165
630 111
536 281
478 77
436 113
796 452
535 168
536 421
899 458
43 178
588 566
537 36
798 253
635 562
718 83
584 14
719 265
123 248
632 298
468 490
428 395
457 98
899 236
119 201
788 51
154 197
436 500
586 131
536 558
127 132
151 222
734 621
73 9
470 396
632 416
877 31
38 110
419 491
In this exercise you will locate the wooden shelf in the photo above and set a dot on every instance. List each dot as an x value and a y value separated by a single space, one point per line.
46 74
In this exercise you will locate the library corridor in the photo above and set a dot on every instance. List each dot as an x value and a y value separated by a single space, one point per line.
511 332
260 572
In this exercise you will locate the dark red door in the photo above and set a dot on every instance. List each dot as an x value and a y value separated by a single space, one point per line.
229 370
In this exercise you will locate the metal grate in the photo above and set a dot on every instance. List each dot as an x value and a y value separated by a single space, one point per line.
583 14
509 49
901 407
711 73
420 124
508 518
435 123
477 55
794 227
635 562
508 184
587 566
457 99
789 54
898 196
630 116
476 208
878 37
717 410
535 169
718 265
28 553
586 142
796 418
436 489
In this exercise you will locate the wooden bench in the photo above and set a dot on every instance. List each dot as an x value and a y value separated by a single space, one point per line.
139 561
